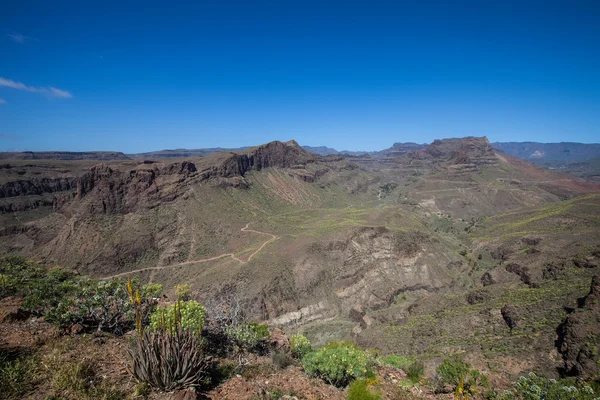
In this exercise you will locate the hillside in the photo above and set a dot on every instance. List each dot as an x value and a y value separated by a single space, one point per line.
415 254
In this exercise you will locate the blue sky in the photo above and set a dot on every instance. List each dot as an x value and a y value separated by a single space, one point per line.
140 76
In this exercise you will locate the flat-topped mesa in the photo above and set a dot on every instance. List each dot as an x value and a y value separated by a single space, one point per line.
400 149
468 150
273 154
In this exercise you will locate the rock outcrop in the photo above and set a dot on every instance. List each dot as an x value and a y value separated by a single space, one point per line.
579 336
115 191
273 154
36 186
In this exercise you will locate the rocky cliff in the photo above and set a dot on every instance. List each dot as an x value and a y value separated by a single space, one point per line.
579 336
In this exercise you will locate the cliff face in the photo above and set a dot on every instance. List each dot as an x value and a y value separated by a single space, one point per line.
273 154
106 190
579 336
110 191
36 186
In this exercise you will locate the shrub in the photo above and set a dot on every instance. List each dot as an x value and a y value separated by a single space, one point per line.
338 363
464 380
183 292
169 360
150 290
415 371
189 315
533 387
65 299
42 288
300 345
101 305
249 337
359 390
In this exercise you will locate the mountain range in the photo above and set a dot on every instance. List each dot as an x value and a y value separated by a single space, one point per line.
419 250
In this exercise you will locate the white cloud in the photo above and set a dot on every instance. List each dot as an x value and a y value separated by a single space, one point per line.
48 91
2 101
17 37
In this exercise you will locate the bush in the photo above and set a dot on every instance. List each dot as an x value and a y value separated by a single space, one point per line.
42 288
99 305
415 371
65 299
250 337
169 360
533 387
359 390
338 363
183 292
151 290
464 380
189 315
300 345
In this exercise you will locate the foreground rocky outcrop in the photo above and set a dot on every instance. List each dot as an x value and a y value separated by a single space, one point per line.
579 336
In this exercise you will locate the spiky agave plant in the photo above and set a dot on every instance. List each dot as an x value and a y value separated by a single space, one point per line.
169 360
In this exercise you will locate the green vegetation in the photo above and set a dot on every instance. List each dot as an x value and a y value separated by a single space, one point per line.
465 381
76 380
17 375
65 298
415 371
189 315
339 363
360 389
42 288
534 387
183 292
151 290
169 360
249 337
300 345
396 361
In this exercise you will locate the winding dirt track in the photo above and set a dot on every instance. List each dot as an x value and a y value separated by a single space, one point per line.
203 260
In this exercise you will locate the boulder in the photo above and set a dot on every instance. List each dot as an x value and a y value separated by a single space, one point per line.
511 316
279 340
11 310
356 313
